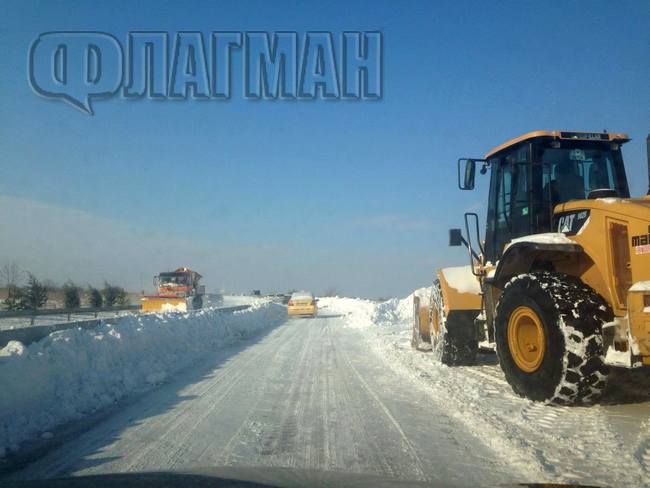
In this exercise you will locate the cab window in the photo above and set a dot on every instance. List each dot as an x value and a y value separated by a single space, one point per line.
509 212
575 172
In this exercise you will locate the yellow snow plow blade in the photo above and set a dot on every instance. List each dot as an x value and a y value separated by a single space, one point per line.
163 304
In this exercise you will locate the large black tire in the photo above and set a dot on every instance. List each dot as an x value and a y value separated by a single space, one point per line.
197 302
572 315
454 343
417 341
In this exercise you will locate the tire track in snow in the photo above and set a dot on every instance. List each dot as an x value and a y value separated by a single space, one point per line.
419 470
568 444
443 386
280 437
214 404
574 443
278 350
177 431
338 424
420 438
369 449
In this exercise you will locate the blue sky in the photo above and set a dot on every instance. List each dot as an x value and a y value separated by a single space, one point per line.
281 194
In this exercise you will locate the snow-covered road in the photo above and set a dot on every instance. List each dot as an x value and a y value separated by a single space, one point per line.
307 395
344 392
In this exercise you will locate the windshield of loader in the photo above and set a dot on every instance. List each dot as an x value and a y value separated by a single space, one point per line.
572 172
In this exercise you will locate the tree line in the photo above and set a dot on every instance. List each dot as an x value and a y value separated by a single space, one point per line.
35 293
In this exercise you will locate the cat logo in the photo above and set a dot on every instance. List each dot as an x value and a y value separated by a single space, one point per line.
571 223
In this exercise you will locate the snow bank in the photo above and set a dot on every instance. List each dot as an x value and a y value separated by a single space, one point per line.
74 372
395 313
235 300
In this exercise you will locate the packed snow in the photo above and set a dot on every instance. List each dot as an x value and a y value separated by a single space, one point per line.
640 286
74 372
544 238
617 358
462 279
601 444
302 295
610 200
170 307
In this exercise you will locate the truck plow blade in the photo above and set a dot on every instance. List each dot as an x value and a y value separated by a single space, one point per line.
164 304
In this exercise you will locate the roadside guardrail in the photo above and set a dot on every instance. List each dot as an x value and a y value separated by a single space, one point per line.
32 314
34 333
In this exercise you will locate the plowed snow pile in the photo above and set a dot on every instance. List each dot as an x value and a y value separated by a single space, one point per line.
605 444
74 372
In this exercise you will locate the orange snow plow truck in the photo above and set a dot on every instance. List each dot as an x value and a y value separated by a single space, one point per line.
559 286
178 291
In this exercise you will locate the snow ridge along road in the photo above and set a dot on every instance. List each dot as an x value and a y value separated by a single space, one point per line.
74 372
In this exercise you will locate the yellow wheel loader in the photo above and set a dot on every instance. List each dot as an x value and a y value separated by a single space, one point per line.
560 285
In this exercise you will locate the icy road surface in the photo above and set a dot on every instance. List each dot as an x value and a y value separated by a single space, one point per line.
308 395
344 392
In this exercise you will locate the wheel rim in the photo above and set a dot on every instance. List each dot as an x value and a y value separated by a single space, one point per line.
526 339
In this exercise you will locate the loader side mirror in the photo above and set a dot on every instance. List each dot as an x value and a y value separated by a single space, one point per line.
455 237
466 167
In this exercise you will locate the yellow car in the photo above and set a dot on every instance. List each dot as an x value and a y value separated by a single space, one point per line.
302 303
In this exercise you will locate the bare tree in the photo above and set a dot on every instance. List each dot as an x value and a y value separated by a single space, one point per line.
11 275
